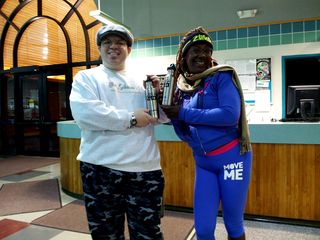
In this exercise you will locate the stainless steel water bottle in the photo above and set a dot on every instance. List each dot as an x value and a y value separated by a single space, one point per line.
151 98
168 86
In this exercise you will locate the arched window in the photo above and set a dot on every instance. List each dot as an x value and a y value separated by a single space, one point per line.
45 32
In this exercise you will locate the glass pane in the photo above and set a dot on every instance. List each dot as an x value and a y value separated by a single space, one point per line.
53 139
56 97
43 43
31 136
10 97
7 128
30 97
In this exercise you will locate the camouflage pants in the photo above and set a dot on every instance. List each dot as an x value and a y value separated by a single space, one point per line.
110 195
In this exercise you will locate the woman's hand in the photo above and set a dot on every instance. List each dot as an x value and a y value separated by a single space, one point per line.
172 112
155 82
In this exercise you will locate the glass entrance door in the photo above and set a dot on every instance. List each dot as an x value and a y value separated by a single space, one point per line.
7 115
29 120
41 103
54 109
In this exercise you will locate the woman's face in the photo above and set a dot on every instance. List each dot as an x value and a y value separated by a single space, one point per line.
198 58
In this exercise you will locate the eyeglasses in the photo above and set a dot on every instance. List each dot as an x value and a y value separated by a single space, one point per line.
108 43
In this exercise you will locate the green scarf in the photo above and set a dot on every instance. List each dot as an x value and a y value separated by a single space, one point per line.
183 85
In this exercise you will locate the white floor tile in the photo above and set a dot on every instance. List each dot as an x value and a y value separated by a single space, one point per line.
26 217
71 236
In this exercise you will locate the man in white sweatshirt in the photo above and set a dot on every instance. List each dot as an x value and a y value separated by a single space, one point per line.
120 160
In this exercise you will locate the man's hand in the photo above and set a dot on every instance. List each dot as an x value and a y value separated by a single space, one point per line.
172 112
144 118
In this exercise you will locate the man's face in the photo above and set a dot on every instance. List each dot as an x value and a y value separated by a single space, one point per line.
198 58
114 52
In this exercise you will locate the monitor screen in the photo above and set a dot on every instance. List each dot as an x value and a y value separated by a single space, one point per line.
303 102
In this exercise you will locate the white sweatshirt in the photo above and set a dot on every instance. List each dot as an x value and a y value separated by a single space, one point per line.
101 102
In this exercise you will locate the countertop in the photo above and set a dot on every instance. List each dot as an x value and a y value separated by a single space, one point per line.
271 132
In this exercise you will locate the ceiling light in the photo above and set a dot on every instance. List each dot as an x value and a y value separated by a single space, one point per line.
105 18
247 13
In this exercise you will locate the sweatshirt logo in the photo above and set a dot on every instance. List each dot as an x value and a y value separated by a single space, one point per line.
233 171
120 87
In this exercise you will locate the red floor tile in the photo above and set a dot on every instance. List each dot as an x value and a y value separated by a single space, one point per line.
8 227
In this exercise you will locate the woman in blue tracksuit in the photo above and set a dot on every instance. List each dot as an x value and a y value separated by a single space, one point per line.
209 114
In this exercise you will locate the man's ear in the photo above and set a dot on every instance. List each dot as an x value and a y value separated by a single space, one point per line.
129 49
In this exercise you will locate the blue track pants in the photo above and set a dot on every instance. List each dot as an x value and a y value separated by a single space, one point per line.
221 178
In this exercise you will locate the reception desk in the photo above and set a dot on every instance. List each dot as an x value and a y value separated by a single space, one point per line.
285 179
69 136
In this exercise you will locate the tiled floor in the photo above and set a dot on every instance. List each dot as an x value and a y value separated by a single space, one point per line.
20 229
17 227
256 230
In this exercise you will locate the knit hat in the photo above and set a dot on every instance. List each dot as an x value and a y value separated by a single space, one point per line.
196 38
115 29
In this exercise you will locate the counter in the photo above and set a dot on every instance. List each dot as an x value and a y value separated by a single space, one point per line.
286 165
273 132
69 138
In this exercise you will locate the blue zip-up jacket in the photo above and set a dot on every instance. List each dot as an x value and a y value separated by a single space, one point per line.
209 117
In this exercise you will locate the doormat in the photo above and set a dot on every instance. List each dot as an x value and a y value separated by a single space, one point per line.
24 197
72 217
21 164
21 177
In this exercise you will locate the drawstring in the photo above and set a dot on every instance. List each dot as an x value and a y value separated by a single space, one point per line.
200 95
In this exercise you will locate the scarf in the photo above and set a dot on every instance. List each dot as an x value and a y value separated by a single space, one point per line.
184 86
